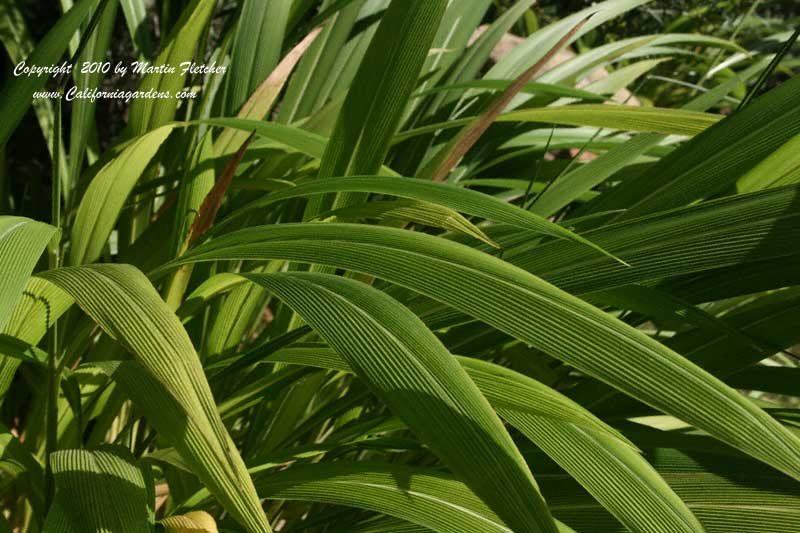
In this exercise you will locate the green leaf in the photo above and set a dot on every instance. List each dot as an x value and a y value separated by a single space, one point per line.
616 475
530 309
20 467
378 95
475 56
17 93
451 196
256 50
330 60
456 30
19 45
135 12
503 387
629 49
441 163
179 46
410 370
197 182
623 76
105 197
603 462
21 350
83 109
718 157
611 116
725 492
121 300
537 44
193 522
725 232
404 211
263 98
381 88
781 167
420 496
529 88
41 304
101 490
303 141
22 242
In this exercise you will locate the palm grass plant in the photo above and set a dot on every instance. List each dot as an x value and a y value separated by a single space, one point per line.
376 277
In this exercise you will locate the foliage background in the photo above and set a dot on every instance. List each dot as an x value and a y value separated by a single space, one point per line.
378 294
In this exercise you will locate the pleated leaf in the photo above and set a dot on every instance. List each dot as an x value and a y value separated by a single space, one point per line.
193 522
121 300
147 114
611 116
503 387
105 197
383 84
724 492
725 232
22 242
41 304
262 99
717 158
415 375
618 477
457 198
423 496
530 309
100 490
598 458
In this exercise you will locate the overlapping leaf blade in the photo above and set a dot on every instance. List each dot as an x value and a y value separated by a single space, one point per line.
615 473
421 382
22 242
532 310
105 197
128 308
99 490
17 93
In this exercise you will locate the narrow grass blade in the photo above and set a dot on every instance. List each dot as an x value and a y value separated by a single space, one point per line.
610 116
449 155
263 98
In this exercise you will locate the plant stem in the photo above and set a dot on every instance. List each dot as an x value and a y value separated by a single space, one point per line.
770 69
54 260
